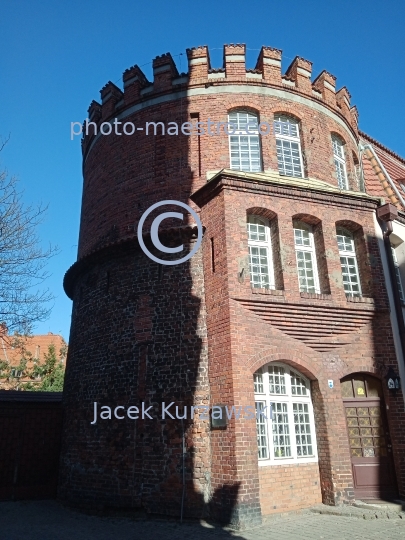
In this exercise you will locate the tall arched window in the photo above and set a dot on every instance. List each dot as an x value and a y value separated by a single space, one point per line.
348 261
289 155
306 258
340 161
284 416
244 144
260 253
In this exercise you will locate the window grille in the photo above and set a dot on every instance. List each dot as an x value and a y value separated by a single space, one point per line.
306 259
288 145
244 144
340 162
287 434
260 253
348 262
398 275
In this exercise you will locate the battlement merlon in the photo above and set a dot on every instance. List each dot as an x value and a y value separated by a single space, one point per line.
300 70
343 102
325 83
134 81
198 63
164 71
354 113
94 111
269 63
235 61
111 95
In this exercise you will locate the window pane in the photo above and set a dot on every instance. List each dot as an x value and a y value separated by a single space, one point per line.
305 271
373 387
258 382
259 267
286 126
256 229
245 153
341 174
261 430
338 148
277 380
351 282
359 387
302 430
298 386
347 389
244 147
302 237
288 158
281 433
241 121
345 241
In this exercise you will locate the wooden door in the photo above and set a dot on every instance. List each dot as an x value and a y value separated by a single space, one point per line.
369 440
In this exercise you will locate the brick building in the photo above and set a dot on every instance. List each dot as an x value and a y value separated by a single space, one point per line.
14 349
284 306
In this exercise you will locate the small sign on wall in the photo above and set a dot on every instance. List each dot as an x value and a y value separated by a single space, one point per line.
330 383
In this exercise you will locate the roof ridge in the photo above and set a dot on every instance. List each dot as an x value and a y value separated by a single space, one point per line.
382 146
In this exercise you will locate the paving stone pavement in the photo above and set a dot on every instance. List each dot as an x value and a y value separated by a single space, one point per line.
47 520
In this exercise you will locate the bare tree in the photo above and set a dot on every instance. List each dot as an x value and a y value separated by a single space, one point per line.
23 300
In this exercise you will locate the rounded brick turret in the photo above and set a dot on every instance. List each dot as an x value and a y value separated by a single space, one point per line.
145 335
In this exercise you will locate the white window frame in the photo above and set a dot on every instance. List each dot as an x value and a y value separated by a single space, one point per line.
263 395
345 253
243 129
398 275
287 130
260 245
340 162
307 249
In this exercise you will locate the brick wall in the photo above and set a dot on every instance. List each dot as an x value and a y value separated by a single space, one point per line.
289 488
30 434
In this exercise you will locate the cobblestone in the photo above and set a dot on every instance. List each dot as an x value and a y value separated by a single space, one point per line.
47 520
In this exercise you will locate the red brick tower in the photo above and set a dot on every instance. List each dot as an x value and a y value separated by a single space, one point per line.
196 333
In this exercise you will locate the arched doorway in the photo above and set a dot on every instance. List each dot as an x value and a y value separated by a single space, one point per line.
369 438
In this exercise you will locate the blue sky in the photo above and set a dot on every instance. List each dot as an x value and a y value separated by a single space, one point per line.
56 56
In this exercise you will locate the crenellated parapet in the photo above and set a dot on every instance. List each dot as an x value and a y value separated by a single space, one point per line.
267 73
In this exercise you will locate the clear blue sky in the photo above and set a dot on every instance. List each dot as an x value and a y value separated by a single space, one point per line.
56 56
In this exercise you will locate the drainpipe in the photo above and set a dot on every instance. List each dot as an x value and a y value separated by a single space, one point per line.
387 214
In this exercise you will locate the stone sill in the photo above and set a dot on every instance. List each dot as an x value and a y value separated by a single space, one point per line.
271 292
316 296
360 299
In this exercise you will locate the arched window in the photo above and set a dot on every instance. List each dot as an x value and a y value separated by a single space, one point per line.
244 144
289 156
340 162
284 416
306 258
348 261
260 253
